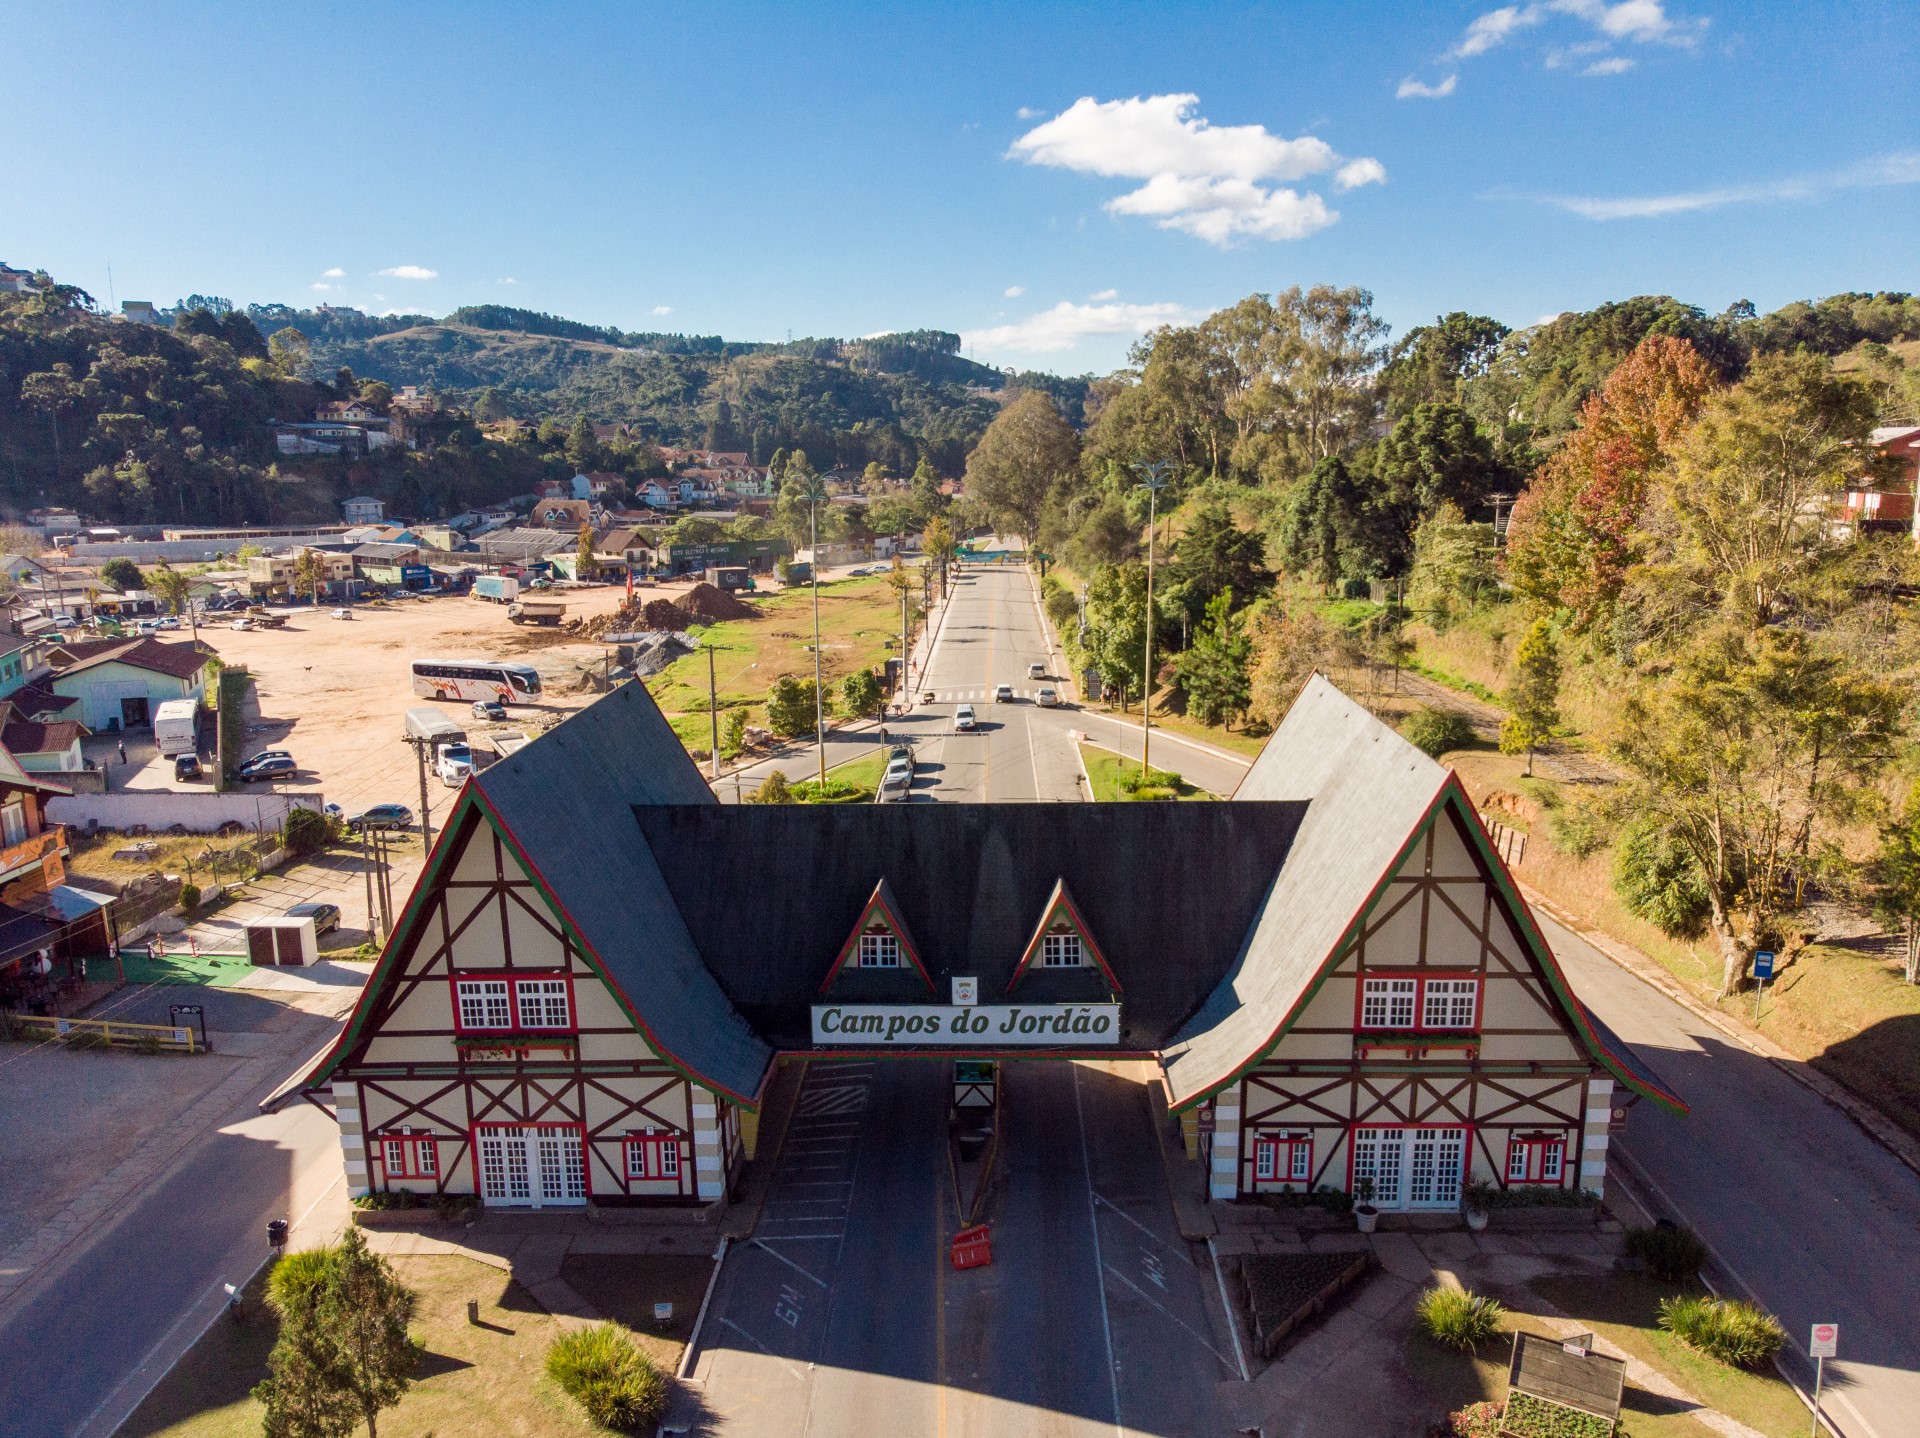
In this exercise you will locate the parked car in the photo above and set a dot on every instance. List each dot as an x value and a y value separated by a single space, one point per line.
166 621
1003 694
963 719
1046 696
490 709
900 754
186 767
896 784
343 614
266 766
241 624
382 816
326 917
1036 670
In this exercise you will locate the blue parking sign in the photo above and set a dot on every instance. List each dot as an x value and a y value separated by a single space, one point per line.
1763 964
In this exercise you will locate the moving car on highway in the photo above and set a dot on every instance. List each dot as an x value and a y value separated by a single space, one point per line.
963 719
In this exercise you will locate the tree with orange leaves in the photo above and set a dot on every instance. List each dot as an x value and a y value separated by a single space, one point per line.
1569 542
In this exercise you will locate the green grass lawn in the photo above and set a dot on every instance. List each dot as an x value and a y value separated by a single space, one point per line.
853 782
1104 771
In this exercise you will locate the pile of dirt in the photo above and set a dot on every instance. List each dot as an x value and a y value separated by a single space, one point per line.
710 605
664 614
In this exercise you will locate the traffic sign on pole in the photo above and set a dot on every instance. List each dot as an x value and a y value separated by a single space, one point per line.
1762 971
1825 1342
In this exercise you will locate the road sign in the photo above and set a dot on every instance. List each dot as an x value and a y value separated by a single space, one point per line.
1825 1342
1763 964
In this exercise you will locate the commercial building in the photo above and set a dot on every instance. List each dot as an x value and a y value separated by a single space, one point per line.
120 682
589 987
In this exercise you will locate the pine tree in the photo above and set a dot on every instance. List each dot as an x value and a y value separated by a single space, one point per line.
1534 695
344 1352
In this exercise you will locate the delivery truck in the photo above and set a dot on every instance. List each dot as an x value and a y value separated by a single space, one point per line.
500 588
176 727
537 611
445 743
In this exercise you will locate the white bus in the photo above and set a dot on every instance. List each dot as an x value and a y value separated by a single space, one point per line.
476 679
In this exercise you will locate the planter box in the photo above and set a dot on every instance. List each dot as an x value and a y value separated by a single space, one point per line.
1541 1220
1331 1273
426 1216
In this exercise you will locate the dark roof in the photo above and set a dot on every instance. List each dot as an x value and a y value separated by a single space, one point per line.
22 932
565 802
26 737
31 699
182 661
770 893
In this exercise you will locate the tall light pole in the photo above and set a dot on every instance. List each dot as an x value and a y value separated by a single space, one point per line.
1154 478
816 495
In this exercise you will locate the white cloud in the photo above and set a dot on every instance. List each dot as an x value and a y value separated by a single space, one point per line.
1613 65
1027 112
1013 292
409 272
1066 324
662 309
1493 28
1202 178
1355 173
1412 89
336 273
1895 169
506 280
1105 295
318 285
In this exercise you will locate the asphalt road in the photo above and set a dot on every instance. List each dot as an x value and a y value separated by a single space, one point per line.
843 1317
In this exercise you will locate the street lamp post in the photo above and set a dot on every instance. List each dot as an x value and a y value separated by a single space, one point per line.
1154 478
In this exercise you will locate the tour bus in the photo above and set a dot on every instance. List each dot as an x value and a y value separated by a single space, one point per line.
470 679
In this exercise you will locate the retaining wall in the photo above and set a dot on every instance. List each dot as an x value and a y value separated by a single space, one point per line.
159 811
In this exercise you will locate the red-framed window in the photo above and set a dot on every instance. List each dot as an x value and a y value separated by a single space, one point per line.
410 1155
511 1002
1282 1157
653 1155
1419 1003
1537 1158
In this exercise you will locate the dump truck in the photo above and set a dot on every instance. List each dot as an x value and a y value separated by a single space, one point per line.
500 588
537 611
176 727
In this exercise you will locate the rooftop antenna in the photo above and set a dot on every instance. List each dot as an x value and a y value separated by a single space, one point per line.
112 303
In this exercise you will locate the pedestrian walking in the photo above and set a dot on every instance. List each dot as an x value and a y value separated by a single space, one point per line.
123 750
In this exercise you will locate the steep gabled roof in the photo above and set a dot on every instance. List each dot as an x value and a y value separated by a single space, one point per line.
881 904
1060 903
1371 796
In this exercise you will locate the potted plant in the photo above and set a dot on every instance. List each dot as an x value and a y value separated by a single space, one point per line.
1476 1204
1364 1213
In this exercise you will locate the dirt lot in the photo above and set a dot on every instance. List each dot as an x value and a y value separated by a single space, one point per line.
334 692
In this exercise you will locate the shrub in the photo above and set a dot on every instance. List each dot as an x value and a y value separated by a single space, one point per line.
1724 1328
1658 881
790 707
189 897
1456 1319
1476 1420
1672 1255
613 1380
308 831
774 789
1435 731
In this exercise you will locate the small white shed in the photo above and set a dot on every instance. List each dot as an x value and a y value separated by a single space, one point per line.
282 942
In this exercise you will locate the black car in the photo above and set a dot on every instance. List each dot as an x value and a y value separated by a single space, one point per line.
326 917
185 767
267 766
490 709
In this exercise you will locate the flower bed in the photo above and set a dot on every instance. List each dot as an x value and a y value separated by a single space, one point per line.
1285 1289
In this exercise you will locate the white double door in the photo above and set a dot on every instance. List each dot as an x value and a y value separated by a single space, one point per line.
1410 1167
532 1167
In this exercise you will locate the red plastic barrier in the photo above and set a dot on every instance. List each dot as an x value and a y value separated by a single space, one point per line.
972 1247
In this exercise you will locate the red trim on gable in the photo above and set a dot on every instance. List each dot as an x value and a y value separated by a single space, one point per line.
1057 900
878 900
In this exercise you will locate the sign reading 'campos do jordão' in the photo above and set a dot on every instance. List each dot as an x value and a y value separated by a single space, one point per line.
980 1026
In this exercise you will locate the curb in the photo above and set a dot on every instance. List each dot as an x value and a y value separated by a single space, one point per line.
1868 1119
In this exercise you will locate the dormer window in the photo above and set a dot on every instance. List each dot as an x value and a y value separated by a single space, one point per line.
1062 951
1420 1004
879 951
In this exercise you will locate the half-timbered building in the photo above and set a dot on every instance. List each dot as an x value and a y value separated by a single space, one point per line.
588 990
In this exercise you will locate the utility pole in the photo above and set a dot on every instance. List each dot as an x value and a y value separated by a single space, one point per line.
817 492
713 714
366 869
419 747
905 678
1154 481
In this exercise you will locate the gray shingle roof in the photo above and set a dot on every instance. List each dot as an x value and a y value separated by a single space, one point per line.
567 801
1368 790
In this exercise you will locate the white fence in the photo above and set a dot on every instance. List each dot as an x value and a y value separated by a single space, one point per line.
159 811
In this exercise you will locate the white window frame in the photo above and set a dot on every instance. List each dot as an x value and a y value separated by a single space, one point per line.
1444 997
13 824
880 951
652 1157
488 998
543 1003
1414 1167
1384 999
1537 1160
1062 951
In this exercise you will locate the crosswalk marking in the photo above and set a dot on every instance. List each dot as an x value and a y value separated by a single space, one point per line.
967 696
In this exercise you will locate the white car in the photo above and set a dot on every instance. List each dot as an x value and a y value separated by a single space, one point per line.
241 624
343 614
963 720
1036 670
1046 696
169 622
1003 694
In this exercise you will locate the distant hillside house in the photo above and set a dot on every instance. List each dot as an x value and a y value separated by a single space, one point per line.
562 514
363 509
140 312
17 282
43 748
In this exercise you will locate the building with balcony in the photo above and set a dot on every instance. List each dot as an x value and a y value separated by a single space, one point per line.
49 929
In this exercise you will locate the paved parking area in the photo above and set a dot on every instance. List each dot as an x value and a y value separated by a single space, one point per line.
843 1316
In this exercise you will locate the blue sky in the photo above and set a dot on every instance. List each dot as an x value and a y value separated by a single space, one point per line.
1048 180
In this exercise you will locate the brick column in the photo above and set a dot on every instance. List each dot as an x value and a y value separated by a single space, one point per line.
353 1138
1593 1135
1224 1176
